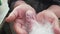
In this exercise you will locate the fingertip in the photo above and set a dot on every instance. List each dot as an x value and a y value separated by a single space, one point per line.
10 18
56 30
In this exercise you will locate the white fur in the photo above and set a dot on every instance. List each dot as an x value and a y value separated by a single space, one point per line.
41 29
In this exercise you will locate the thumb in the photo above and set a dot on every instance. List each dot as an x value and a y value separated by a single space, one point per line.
30 15
12 16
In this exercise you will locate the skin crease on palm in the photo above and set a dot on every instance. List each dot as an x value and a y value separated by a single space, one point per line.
24 24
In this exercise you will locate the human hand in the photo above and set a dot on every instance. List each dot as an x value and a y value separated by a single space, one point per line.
17 16
49 16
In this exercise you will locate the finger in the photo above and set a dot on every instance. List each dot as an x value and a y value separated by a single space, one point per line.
12 16
50 16
56 27
40 17
30 15
19 27
17 12
46 15
56 30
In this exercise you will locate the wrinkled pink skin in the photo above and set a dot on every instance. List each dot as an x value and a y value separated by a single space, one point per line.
18 17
